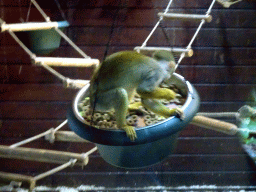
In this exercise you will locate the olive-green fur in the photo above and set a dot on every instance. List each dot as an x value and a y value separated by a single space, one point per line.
121 74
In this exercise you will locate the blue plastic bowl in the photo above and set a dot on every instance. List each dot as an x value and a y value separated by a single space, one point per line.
154 142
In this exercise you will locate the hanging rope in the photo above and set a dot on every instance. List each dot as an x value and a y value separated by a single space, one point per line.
157 24
196 33
61 11
28 13
33 56
58 30
40 135
47 19
71 43
193 38
51 70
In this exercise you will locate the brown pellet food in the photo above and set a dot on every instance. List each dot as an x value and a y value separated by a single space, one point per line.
138 118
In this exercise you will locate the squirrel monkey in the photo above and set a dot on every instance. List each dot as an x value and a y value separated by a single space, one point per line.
124 73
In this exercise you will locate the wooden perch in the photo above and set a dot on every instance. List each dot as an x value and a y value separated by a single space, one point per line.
188 52
32 180
42 155
67 136
14 176
216 125
196 17
66 62
75 83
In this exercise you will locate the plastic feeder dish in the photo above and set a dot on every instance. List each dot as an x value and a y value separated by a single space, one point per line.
154 143
42 42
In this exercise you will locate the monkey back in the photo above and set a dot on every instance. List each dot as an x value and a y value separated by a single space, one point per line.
129 70
126 69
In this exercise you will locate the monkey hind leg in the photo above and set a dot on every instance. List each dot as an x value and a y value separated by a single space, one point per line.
160 109
135 106
120 104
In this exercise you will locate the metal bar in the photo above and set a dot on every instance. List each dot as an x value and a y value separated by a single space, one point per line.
188 52
28 26
207 18
42 155
66 62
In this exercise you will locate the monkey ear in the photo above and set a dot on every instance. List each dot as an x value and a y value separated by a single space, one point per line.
163 55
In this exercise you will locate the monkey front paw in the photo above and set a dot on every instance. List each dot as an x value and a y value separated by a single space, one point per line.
130 132
134 106
179 113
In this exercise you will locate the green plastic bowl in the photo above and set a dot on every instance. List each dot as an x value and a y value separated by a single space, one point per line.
154 143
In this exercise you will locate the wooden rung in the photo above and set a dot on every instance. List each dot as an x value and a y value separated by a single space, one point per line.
30 26
19 178
14 176
188 52
42 155
207 18
66 62
68 136
215 125
75 83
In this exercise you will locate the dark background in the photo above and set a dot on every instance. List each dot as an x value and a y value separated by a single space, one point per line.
222 69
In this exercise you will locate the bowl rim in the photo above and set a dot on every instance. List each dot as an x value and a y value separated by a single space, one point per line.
63 24
145 134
